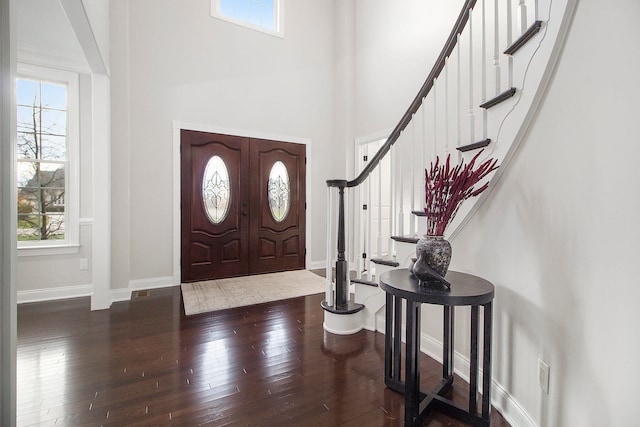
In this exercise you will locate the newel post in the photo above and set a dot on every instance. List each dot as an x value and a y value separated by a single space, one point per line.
342 316
342 285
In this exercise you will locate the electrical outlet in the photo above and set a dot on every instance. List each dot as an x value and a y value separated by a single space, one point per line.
543 376
84 264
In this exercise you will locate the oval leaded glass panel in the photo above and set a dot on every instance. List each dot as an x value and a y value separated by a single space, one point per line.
279 191
216 190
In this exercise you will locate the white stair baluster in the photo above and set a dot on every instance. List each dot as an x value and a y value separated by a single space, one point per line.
414 149
425 142
392 200
347 249
483 95
523 16
400 191
379 224
369 250
509 15
496 49
472 125
458 98
434 90
446 101
419 172
360 221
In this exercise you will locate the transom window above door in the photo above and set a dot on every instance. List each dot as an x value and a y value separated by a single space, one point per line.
261 15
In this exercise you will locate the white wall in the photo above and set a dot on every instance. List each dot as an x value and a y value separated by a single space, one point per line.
45 37
397 43
98 12
559 236
120 147
185 65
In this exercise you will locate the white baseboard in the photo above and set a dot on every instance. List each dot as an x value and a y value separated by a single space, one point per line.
65 292
120 294
510 408
433 348
124 294
51 294
501 399
152 283
316 265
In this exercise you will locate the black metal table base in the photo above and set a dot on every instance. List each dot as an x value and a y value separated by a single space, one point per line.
418 404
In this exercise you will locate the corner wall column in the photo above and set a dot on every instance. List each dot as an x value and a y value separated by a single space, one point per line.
8 220
101 298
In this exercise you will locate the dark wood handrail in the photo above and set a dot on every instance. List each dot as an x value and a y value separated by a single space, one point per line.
461 22
342 304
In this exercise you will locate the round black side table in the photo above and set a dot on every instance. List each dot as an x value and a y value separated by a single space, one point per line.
466 290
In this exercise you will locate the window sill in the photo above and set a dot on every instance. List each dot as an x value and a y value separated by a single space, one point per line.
276 33
64 249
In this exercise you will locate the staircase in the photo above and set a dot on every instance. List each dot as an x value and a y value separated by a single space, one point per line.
481 94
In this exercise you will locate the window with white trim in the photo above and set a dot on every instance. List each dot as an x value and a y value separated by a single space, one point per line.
47 160
261 15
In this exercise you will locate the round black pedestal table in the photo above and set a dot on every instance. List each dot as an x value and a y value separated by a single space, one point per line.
466 290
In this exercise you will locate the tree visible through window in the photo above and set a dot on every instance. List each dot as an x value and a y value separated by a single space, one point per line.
42 159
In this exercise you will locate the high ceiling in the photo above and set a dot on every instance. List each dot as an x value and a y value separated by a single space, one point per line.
45 36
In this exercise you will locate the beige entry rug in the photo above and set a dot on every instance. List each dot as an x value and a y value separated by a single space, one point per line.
220 294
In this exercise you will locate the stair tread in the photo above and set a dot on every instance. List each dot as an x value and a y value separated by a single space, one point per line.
364 281
498 99
406 239
352 307
474 146
385 261
364 276
524 38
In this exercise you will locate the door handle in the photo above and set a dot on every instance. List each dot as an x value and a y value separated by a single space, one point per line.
245 213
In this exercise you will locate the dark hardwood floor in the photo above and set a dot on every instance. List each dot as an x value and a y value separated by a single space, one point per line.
144 363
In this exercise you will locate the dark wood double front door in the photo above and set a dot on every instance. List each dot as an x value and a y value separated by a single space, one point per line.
242 206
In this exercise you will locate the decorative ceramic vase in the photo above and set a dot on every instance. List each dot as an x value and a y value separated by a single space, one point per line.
434 256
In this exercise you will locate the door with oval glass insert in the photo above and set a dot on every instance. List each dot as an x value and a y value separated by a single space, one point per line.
242 207
214 206
278 197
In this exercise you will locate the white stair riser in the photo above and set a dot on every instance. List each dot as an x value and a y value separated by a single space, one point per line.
373 299
404 252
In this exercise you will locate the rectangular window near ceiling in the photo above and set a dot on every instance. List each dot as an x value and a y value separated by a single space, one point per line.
261 15
46 138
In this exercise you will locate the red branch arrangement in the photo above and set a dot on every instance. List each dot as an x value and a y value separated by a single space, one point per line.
446 188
